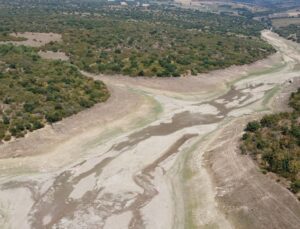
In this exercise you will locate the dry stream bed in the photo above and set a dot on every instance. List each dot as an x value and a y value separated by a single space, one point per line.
162 153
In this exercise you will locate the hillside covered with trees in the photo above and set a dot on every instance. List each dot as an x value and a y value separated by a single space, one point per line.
274 142
158 40
143 42
34 91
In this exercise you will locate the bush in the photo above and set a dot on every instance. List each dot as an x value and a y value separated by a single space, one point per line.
268 121
253 126
7 137
29 106
37 125
295 131
295 187
6 120
245 136
52 117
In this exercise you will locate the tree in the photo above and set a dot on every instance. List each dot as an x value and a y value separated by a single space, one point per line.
253 126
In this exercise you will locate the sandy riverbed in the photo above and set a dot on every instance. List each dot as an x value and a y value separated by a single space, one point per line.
159 154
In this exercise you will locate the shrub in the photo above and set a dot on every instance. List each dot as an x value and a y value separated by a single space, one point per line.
7 137
295 187
6 120
37 125
268 121
277 143
295 131
53 116
253 126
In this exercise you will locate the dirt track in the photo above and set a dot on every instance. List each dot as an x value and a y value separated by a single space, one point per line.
162 153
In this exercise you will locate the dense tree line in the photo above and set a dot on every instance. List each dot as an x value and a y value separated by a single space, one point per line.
136 48
274 142
131 41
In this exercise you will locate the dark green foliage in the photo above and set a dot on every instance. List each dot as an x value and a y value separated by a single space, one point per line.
295 187
269 121
253 126
295 100
275 143
164 42
51 91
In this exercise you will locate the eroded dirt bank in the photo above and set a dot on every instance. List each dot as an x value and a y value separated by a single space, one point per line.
138 161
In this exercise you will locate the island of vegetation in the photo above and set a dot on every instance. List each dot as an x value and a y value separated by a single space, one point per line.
274 142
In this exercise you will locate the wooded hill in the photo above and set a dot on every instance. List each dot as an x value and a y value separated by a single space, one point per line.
274 142
34 92
137 42
159 41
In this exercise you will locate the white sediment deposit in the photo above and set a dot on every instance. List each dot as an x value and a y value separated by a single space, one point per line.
161 153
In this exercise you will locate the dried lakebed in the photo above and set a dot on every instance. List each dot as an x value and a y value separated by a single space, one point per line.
179 168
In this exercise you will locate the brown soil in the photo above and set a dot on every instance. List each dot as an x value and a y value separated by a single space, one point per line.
34 39
49 55
95 119
248 198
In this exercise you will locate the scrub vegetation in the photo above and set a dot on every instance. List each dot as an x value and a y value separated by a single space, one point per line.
34 91
137 42
274 142
159 41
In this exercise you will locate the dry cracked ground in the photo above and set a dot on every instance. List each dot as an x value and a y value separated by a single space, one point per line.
161 153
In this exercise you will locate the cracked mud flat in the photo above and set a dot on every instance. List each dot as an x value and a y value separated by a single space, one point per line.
166 157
